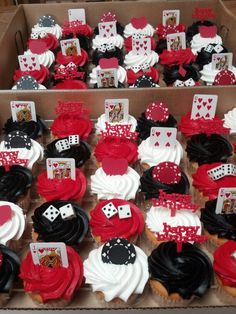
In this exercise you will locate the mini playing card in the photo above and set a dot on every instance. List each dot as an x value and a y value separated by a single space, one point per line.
204 106
163 137
52 254
60 168
23 111
77 15
222 61
141 46
117 110
170 17
176 41
107 78
107 29
70 47
226 201
29 63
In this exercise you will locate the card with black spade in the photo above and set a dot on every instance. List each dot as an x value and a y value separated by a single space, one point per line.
77 15
117 110
61 168
226 201
176 41
107 78
163 137
23 111
170 17
29 63
70 47
204 106
222 61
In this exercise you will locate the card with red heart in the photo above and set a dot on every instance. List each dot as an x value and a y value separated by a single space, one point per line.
117 110
29 63
226 201
23 111
141 46
163 137
60 168
107 78
170 17
107 29
204 106
70 47
222 61
51 254
77 15
176 41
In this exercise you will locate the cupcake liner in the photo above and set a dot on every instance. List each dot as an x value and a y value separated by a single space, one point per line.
223 296
16 245
4 298
24 202
49 304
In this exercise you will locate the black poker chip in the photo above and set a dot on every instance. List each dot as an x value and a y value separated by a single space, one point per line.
27 82
17 139
145 81
118 251
47 21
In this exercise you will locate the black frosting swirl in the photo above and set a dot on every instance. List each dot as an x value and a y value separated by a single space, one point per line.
32 128
171 74
81 153
117 53
224 225
205 57
194 29
9 269
70 231
151 187
205 149
187 273
14 183
161 45
119 29
144 125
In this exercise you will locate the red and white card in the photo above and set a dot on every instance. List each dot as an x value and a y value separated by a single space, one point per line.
204 106
77 15
176 41
141 46
107 78
70 47
170 17
222 61
29 63
23 111
61 168
107 29
226 201
163 137
117 110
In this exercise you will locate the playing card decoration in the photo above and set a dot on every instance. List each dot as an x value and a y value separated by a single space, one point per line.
77 15
23 111
108 17
68 72
72 107
46 21
8 159
29 63
176 41
114 167
61 168
208 31
222 61
17 139
167 172
117 110
157 111
139 22
222 171
120 131
226 201
70 47
141 46
188 83
204 106
5 214
27 82
225 77
107 29
203 14
161 137
170 17
118 251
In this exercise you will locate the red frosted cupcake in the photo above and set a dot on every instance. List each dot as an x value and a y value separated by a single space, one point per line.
133 74
79 60
41 76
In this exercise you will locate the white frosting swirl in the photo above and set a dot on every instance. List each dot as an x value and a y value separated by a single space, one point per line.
117 41
13 228
208 75
47 58
198 42
116 281
115 186
121 75
101 123
129 30
152 155
230 120
40 86
132 59
33 154
55 30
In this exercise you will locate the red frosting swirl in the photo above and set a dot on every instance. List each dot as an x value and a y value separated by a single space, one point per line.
50 40
40 75
206 185
128 43
114 147
53 283
107 229
71 123
176 57
152 72
80 60
71 84
224 263
162 31
61 189
190 127
76 29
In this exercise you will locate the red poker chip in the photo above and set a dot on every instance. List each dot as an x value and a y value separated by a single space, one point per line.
225 77
157 111
167 172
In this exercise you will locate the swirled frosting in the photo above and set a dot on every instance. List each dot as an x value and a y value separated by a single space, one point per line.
132 76
205 149
205 57
40 75
61 189
188 273
208 74
53 283
115 186
114 53
152 155
79 60
71 231
117 41
230 120
121 75
14 227
198 42
56 30
116 281
47 58
177 57
50 41
151 187
132 59
115 227
129 30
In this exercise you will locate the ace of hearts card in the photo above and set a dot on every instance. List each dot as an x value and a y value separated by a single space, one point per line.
204 106
61 168
116 110
23 111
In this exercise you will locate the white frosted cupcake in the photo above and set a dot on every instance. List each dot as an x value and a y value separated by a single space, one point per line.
132 60
139 26
230 120
208 74
198 42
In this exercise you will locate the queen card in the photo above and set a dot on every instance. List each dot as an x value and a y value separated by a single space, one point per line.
70 47
222 61
107 78
61 168
117 110
176 41
23 111
170 17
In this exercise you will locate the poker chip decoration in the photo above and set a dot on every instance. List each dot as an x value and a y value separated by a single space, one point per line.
47 21
118 251
145 81
167 172
225 77
27 82
157 111
17 139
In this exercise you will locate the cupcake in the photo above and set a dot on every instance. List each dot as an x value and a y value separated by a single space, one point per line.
55 285
109 269
205 54
41 75
177 278
105 227
71 230
208 74
140 26
189 77
47 24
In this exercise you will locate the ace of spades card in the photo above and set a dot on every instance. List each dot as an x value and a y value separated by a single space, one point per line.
163 137
107 29
222 61
51 254
77 15
226 201
23 111
29 63
170 17
116 110
70 47
107 78
204 106
60 168
176 41
141 46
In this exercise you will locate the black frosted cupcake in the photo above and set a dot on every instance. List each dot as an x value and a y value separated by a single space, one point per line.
194 29
71 230
205 55
161 45
172 74
103 52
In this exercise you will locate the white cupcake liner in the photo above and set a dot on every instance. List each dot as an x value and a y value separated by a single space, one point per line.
167 302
